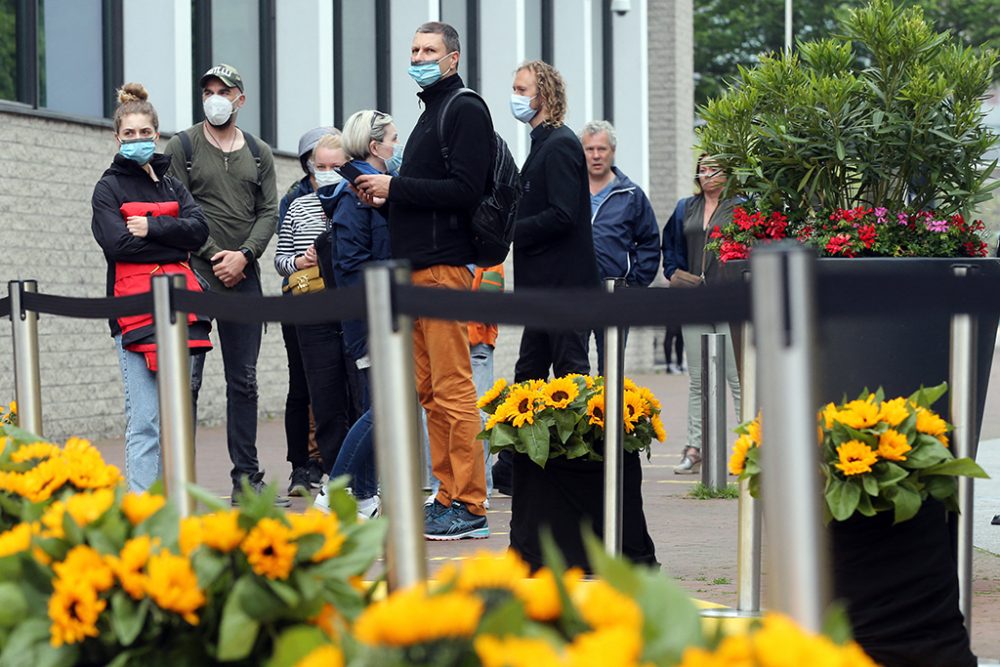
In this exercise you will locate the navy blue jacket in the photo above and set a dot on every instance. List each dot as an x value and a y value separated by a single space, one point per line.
626 236
675 254
360 234
301 187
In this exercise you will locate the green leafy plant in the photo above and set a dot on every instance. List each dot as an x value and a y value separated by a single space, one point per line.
885 116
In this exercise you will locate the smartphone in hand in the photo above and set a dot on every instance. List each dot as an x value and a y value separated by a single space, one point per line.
349 171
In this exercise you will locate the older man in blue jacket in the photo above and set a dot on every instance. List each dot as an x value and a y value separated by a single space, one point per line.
626 236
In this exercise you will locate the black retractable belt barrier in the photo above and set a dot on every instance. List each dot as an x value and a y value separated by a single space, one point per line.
102 308
327 306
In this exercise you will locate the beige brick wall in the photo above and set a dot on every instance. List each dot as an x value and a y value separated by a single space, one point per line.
48 169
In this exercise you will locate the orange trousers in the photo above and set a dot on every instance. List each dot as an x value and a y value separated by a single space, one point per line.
446 392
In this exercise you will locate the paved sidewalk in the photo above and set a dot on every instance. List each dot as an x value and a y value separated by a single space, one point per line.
695 539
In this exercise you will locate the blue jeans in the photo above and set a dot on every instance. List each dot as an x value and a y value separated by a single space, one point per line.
240 345
357 455
142 420
481 356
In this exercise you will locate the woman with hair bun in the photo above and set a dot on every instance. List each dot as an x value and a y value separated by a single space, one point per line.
147 224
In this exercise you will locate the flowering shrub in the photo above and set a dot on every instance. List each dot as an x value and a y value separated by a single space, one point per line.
876 455
91 574
565 417
856 232
9 415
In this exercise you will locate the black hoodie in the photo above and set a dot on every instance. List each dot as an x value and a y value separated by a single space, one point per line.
430 203
169 239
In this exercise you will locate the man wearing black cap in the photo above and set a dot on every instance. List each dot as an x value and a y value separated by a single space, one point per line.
230 173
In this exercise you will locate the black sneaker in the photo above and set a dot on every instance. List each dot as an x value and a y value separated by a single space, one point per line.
457 523
258 486
315 474
299 485
433 510
996 520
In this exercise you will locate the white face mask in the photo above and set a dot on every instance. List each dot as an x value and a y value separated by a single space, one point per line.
327 178
218 109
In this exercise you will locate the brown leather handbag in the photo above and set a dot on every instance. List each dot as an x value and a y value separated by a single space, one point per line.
305 281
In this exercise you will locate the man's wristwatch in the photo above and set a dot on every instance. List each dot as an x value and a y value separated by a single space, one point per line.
247 254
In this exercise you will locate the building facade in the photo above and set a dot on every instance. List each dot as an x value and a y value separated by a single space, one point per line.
305 63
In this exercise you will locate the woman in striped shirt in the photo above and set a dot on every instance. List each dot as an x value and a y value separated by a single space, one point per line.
321 345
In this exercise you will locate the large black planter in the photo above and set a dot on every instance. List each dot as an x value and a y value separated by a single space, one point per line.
901 588
566 495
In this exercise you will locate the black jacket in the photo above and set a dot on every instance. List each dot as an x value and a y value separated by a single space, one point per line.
553 243
430 203
169 239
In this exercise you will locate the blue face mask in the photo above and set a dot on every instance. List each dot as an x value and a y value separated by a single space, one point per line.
138 150
394 163
426 74
520 106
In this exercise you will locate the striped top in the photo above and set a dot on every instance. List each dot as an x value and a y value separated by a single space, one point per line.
304 221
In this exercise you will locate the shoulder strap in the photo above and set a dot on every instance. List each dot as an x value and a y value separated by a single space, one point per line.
254 150
445 151
186 147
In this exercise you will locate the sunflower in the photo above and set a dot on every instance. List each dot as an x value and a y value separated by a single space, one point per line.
855 458
737 462
630 385
15 540
326 620
520 405
830 414
658 430
595 409
318 523
504 413
52 520
269 549
492 394
221 530
634 410
892 446
615 645
603 606
326 655
540 596
191 534
84 565
512 651
560 393
650 399
173 586
128 566
930 423
140 506
35 451
860 413
754 431
74 609
411 616
88 507
893 412
487 570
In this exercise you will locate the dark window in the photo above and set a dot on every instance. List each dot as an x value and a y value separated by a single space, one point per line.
361 30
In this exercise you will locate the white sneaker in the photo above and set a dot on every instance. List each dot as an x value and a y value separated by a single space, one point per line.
369 508
322 502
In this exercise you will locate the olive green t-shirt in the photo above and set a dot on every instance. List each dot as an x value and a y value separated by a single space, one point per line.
241 213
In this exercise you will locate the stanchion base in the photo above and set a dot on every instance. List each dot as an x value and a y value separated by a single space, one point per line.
728 612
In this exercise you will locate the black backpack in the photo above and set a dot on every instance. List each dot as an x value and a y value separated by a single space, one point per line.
493 219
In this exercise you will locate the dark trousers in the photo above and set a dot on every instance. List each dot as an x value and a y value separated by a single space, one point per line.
599 340
240 345
673 339
357 456
297 400
563 351
322 348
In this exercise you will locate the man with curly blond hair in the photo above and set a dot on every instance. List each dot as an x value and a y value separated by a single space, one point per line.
553 244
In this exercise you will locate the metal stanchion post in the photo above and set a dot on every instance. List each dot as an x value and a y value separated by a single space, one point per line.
784 319
614 392
397 442
173 381
963 414
749 528
713 411
27 376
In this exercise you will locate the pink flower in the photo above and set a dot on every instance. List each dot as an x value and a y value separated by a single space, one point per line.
880 214
903 219
937 225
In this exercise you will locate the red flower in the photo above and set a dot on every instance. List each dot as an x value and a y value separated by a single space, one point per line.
776 226
867 234
733 250
840 244
716 233
742 220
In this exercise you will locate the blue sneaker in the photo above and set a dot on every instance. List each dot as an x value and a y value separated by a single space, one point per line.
457 523
433 510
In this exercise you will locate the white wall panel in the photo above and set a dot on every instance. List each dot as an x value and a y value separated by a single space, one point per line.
168 79
304 30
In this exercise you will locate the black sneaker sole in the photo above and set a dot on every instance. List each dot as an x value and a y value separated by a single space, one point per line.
299 491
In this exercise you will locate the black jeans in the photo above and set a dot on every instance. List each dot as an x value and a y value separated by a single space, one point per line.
564 351
599 339
297 400
240 345
322 348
